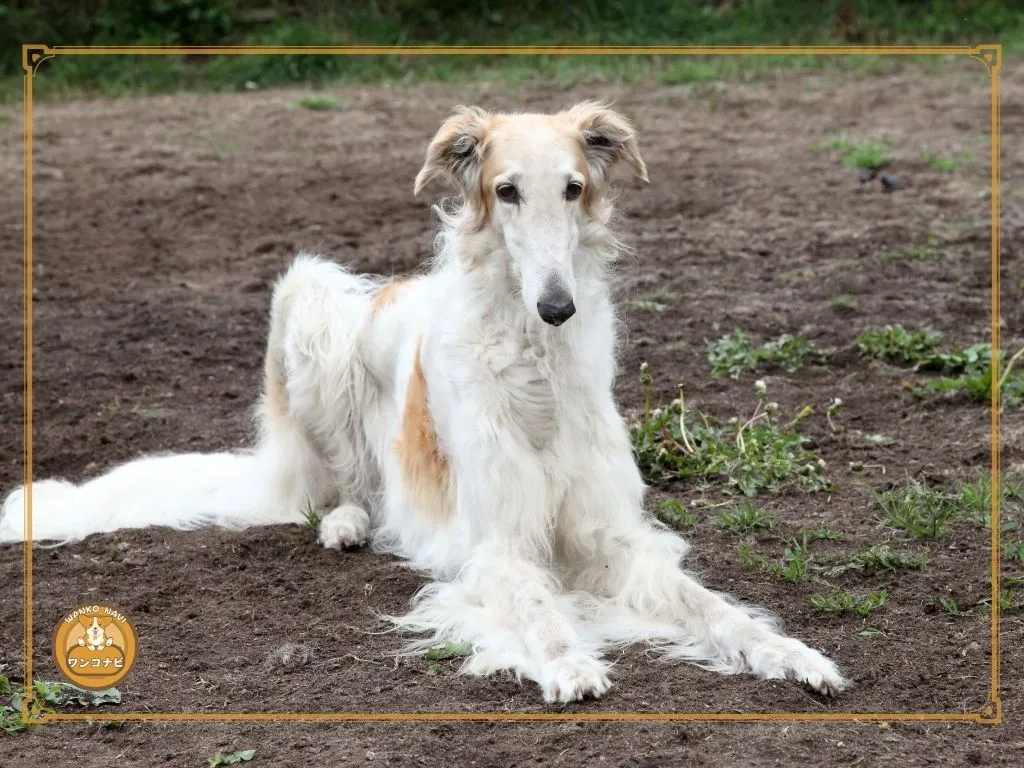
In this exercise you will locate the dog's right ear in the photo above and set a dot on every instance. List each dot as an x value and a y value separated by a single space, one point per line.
455 153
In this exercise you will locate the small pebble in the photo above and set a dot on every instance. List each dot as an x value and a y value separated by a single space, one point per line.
889 182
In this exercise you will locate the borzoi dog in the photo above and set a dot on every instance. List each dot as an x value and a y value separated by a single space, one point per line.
464 420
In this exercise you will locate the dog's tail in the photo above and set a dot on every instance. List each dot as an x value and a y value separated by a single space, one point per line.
184 491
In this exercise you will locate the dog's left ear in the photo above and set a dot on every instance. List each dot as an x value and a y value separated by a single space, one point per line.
455 152
607 138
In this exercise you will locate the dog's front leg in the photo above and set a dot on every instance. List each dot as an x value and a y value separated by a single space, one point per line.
618 554
520 622
504 597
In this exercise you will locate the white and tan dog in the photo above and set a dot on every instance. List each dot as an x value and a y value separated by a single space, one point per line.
464 419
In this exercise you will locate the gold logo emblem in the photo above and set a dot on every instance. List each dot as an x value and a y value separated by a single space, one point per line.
95 646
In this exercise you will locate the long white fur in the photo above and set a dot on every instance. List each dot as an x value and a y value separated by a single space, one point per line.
546 557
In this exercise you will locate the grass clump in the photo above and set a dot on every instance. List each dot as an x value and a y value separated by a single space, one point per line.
878 557
867 155
319 103
754 455
672 512
945 164
796 561
449 650
840 601
895 344
745 518
916 509
951 607
1013 550
43 699
735 353
975 499
311 516
656 301
968 369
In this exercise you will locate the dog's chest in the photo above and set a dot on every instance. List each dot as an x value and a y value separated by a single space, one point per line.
532 386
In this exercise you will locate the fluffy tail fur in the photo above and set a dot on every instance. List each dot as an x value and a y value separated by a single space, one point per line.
183 491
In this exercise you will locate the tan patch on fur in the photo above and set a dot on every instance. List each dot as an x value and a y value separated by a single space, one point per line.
386 296
275 397
428 477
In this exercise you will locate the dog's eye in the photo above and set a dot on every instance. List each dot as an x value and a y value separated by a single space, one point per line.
507 193
573 191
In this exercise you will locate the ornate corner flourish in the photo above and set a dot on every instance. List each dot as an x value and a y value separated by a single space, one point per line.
992 712
989 55
32 55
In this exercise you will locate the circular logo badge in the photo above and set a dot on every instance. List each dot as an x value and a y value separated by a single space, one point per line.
95 646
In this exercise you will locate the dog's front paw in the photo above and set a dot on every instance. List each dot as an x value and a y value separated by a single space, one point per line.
344 527
792 660
573 677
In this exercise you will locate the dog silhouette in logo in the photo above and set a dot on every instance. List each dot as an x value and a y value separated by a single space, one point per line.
96 652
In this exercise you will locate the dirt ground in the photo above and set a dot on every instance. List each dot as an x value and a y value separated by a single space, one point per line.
160 224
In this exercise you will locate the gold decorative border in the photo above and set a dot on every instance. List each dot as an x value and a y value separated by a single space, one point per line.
991 56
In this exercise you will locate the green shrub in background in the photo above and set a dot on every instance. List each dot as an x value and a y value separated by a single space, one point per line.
396 22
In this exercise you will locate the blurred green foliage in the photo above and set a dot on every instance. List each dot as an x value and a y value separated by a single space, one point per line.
395 22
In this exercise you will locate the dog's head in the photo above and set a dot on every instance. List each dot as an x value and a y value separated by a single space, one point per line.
535 180
95 629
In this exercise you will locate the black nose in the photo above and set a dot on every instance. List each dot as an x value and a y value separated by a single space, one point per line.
556 312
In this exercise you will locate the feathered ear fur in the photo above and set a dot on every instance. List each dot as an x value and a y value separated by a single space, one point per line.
455 154
607 138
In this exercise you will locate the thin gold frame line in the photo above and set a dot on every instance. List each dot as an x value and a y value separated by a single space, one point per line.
469 50
971 717
992 53
996 499
27 576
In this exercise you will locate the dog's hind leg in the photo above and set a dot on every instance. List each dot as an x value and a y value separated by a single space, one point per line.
315 390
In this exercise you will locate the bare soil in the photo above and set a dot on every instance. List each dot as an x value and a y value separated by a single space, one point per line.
160 224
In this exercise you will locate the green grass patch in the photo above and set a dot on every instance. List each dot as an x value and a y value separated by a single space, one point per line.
951 607
735 353
1013 550
946 164
840 601
877 558
917 510
657 300
673 513
753 455
311 516
964 369
320 103
796 560
895 344
745 518
45 698
449 650
975 499
867 154
404 22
